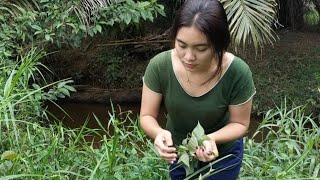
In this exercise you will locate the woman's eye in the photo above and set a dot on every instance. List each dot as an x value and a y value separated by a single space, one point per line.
201 49
182 46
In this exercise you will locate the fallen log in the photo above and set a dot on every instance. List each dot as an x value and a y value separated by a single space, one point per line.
87 94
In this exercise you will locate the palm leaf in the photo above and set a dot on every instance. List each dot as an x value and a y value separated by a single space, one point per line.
89 8
250 21
14 7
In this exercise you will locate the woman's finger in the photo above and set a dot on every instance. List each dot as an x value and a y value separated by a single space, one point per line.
168 139
211 151
163 148
165 152
163 141
200 154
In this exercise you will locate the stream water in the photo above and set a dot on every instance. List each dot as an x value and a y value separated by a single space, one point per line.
74 115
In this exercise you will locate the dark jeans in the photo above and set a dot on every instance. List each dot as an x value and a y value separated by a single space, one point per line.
229 167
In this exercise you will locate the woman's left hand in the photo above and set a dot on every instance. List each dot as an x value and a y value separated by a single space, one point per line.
208 151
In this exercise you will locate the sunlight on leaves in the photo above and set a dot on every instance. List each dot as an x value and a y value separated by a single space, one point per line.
9 155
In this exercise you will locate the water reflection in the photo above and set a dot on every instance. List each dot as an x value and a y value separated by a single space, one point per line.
74 115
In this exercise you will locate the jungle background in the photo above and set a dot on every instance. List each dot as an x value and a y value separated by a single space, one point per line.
62 60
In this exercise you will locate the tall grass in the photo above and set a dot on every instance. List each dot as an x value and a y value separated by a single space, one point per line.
20 95
59 152
289 148
30 148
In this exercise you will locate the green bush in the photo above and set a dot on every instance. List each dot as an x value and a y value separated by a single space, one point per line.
21 97
311 17
62 22
285 146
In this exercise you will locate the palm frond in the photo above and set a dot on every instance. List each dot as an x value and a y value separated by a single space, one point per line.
250 21
14 6
89 8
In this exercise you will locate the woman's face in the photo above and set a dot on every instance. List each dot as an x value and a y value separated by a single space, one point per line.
193 49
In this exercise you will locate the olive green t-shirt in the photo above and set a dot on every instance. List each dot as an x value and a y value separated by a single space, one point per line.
211 109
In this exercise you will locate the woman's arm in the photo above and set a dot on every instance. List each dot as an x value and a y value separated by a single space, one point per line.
150 105
237 126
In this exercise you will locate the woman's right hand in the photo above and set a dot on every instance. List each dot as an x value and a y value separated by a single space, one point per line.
163 144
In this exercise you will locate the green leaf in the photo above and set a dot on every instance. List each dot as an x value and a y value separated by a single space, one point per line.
316 171
144 4
99 28
133 151
36 27
7 87
35 86
65 91
182 148
47 37
9 155
70 88
198 132
127 19
287 130
250 21
5 167
184 158
185 141
192 144
82 27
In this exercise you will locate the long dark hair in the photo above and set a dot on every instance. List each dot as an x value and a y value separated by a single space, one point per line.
210 18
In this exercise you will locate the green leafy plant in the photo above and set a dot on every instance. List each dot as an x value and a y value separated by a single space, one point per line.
113 64
18 96
311 17
122 151
250 21
186 151
61 22
288 147
187 159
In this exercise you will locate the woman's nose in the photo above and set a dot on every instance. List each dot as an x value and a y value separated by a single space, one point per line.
189 56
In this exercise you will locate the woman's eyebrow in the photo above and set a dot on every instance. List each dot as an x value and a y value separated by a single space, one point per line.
200 44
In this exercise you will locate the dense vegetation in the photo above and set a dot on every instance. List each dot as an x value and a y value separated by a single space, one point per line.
285 145
30 148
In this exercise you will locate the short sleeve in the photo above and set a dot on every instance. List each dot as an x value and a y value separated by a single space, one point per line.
151 76
243 89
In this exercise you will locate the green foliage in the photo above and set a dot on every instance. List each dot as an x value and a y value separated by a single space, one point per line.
311 17
187 150
64 22
8 155
187 159
30 150
58 152
250 21
18 98
114 66
289 148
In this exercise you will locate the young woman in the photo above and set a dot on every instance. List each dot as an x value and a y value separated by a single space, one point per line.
198 80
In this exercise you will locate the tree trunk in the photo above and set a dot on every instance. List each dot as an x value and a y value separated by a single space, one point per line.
291 13
317 4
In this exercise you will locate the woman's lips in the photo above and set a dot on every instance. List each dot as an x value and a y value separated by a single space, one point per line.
189 66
